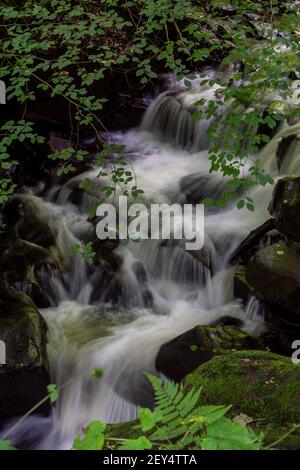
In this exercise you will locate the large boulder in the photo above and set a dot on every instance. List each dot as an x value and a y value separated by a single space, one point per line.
24 376
285 207
180 356
274 275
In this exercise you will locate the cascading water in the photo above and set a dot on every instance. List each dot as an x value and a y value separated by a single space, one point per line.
171 291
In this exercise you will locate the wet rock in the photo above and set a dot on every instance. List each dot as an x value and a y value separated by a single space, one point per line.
282 327
285 207
106 286
271 237
25 375
30 224
247 247
106 281
105 255
279 341
141 276
140 272
241 287
203 256
17 264
180 356
34 291
274 275
196 187
18 257
228 321
58 142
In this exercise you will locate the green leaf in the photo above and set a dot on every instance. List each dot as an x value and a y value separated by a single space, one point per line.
93 437
225 434
97 373
6 445
141 443
196 116
213 413
270 122
148 418
53 392
74 249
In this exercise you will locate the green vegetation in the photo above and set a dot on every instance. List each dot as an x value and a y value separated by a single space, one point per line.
65 49
180 420
177 422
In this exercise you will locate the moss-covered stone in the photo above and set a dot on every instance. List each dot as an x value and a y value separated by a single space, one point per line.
263 385
24 376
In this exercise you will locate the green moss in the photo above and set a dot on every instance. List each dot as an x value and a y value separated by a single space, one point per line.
260 384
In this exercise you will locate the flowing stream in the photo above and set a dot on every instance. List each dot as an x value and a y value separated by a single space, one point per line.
165 289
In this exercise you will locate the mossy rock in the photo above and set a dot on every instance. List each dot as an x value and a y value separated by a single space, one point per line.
262 385
24 375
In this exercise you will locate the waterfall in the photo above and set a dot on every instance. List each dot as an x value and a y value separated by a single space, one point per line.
164 290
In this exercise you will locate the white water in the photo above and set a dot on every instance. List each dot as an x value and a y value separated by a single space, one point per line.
124 339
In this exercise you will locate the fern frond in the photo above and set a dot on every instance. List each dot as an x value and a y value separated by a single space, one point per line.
175 408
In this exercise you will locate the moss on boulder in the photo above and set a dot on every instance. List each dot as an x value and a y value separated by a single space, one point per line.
24 375
263 385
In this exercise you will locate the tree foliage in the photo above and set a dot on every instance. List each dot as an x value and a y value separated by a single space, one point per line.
65 48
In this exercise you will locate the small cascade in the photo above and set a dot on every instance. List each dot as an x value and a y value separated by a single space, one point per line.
169 117
160 289
254 310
